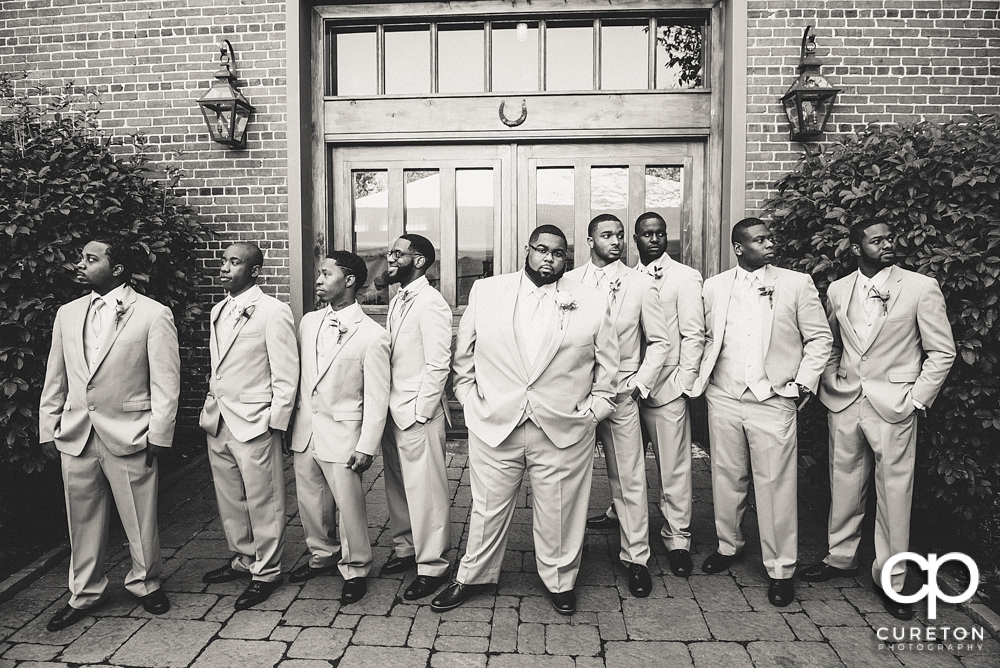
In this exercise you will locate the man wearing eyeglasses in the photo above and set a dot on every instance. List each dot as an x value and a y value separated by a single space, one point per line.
535 365
416 479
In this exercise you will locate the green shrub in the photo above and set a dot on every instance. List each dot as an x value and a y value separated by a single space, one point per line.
938 186
61 184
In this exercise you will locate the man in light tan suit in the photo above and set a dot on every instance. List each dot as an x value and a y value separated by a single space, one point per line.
892 350
413 447
767 343
109 405
251 392
339 421
664 413
535 365
640 326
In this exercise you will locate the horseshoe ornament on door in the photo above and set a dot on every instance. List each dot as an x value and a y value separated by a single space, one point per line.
517 121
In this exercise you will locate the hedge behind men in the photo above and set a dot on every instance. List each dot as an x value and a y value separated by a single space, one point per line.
109 404
413 447
535 365
767 343
892 350
640 326
251 392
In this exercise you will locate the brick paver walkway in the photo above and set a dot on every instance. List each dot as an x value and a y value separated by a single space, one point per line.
719 620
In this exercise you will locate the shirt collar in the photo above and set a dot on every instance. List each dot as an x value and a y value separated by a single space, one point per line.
527 287
876 281
661 262
111 298
345 314
745 275
241 301
610 270
416 286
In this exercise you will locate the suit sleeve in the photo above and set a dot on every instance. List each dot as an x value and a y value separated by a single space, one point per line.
691 325
435 334
837 350
283 359
376 402
937 342
708 306
55 386
607 358
654 327
464 368
817 340
164 378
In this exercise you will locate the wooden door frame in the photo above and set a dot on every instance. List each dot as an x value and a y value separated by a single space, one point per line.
307 130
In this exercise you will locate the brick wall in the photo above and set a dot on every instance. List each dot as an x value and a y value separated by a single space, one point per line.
894 60
150 60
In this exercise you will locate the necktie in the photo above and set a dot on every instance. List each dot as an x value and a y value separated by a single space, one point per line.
602 280
97 318
327 333
869 301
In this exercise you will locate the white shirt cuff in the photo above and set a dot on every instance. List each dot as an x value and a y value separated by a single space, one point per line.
919 406
643 390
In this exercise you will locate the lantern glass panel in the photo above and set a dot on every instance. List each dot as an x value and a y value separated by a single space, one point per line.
240 126
792 111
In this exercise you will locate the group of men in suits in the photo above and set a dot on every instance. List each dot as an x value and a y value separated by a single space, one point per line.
546 363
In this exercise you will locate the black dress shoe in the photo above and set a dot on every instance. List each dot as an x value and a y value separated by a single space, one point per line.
822 572
563 601
354 589
68 616
424 585
716 563
399 565
453 596
639 582
155 603
901 611
305 572
225 574
680 563
781 592
257 592
602 521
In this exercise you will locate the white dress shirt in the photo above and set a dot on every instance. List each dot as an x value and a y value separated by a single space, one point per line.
743 343
603 278
402 297
232 311
869 303
536 307
99 319
329 338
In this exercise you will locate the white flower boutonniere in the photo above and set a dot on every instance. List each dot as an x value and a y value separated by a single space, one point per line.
615 286
247 312
341 330
767 291
874 293
119 312
564 308
656 271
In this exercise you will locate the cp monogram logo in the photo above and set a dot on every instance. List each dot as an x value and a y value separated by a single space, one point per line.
930 590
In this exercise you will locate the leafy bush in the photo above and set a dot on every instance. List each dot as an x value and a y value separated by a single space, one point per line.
938 186
62 184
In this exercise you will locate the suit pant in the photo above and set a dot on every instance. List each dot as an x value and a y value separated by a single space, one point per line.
250 488
323 487
669 428
624 450
88 480
417 493
560 492
860 439
748 434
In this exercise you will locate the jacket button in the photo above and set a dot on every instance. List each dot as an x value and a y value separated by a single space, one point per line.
529 388
219 377
90 408
314 393
864 358
90 387
863 378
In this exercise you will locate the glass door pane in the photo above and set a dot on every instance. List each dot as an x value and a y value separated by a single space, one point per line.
408 60
515 57
422 212
664 195
569 56
461 59
355 61
555 204
371 229
475 214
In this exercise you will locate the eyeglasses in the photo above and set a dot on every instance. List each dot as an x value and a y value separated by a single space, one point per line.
396 254
557 254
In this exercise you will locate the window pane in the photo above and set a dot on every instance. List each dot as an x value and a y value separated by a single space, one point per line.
515 57
569 59
554 203
371 231
624 55
609 192
408 60
355 63
664 192
460 59
678 56
422 211
474 199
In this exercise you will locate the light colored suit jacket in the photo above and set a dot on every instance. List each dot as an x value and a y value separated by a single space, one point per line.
796 336
908 356
254 377
421 355
342 404
679 289
130 398
641 327
570 387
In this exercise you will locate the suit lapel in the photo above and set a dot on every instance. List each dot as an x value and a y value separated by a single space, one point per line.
77 324
114 328
722 308
213 322
553 336
850 288
505 315
231 339
352 327
767 316
892 285
407 305
616 307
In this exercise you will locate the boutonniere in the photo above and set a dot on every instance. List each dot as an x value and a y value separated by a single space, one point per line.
247 312
874 293
615 286
119 312
341 330
767 291
564 308
655 271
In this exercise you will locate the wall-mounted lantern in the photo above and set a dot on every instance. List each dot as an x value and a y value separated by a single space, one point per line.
226 110
809 100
